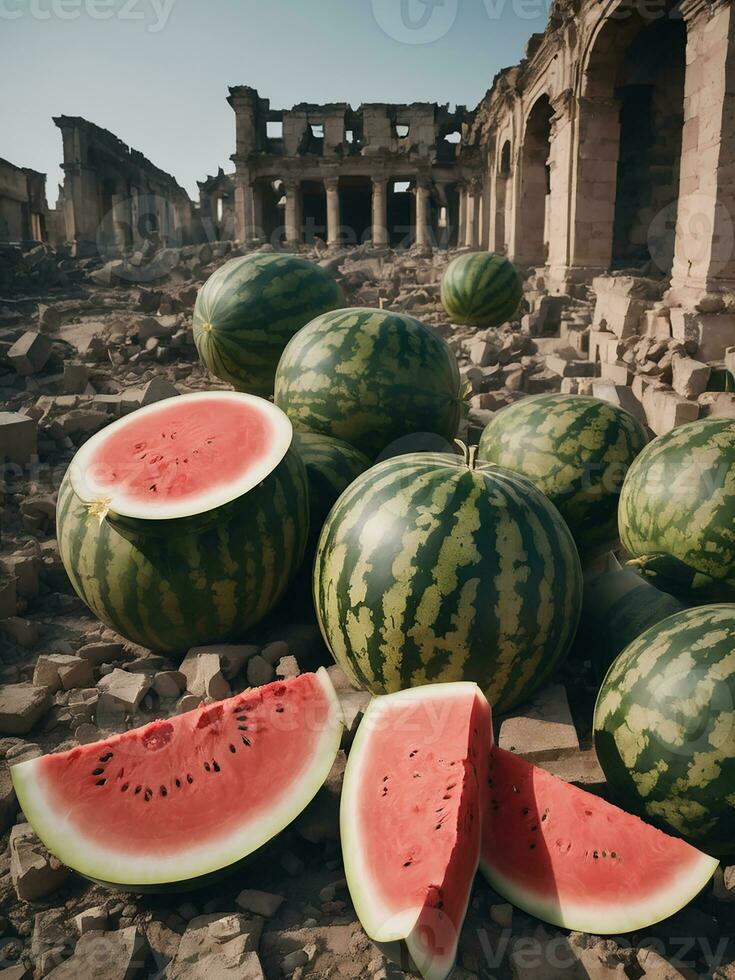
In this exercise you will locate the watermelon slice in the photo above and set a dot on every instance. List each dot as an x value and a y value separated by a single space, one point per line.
411 818
181 457
183 798
576 861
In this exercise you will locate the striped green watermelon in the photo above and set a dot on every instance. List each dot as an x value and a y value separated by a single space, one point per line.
665 725
577 451
248 310
369 377
331 466
481 289
677 510
432 568
183 523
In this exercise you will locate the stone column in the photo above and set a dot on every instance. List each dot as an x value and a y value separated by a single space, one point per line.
258 229
561 158
423 233
334 220
245 224
473 214
293 211
594 188
121 218
462 230
380 212
704 257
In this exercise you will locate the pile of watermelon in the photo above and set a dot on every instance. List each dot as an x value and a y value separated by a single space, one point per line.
446 583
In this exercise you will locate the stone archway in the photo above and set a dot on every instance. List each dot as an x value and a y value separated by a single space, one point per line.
531 246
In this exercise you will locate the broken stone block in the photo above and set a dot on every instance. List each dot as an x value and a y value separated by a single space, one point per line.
18 972
99 653
25 569
619 395
259 903
617 373
157 390
713 333
483 353
24 632
259 671
125 689
665 410
49 318
215 946
570 369
8 596
76 378
655 967
717 404
34 872
91 920
119 955
543 729
169 683
690 377
272 652
30 353
21 706
724 884
204 677
581 768
17 438
8 801
58 670
287 667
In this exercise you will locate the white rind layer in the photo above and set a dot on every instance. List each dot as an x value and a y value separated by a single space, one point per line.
112 865
609 920
91 491
383 925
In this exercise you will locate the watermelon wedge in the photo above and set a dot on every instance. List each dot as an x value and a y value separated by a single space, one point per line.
410 819
576 861
180 799
181 457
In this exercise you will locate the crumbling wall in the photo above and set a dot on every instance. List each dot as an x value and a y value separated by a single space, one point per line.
113 198
23 207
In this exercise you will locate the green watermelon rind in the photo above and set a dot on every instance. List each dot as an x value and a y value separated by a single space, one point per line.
678 502
573 448
369 377
331 466
636 742
127 871
171 592
389 580
396 929
248 310
481 289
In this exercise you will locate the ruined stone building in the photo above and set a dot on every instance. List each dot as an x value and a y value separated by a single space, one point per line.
611 146
113 197
389 173
23 207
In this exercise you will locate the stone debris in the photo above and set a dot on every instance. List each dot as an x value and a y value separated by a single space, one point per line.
91 920
35 873
259 671
59 671
21 706
259 903
124 689
204 676
116 955
542 730
216 946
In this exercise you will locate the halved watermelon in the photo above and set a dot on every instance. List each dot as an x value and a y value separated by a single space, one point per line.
181 457
184 798
410 819
576 861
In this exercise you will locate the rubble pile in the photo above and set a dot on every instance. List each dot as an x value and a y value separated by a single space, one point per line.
83 342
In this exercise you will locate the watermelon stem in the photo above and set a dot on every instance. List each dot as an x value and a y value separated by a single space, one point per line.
100 508
469 453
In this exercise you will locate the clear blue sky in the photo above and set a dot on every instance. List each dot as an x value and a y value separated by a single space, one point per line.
156 72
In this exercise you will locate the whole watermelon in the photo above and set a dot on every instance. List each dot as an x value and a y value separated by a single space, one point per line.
677 510
173 592
248 310
369 377
481 289
331 466
577 451
665 725
431 568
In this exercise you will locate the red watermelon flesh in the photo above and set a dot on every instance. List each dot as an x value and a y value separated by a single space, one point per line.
188 796
411 816
183 456
576 861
